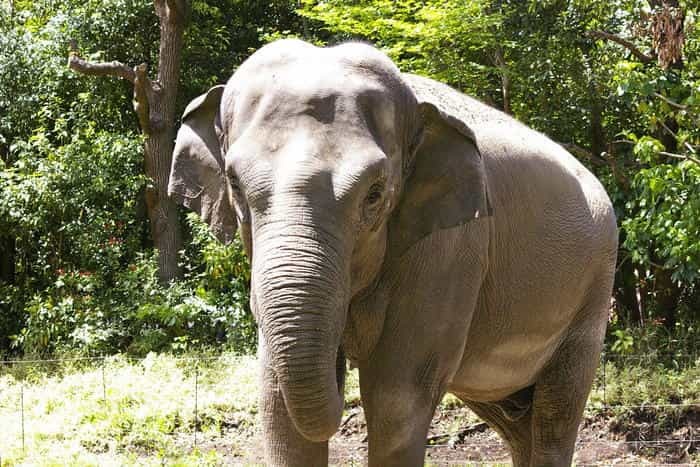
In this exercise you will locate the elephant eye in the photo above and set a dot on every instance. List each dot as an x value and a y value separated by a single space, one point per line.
375 194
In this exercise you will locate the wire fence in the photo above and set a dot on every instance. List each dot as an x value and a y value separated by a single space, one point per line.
685 438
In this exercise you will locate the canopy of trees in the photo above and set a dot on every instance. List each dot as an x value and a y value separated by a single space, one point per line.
614 81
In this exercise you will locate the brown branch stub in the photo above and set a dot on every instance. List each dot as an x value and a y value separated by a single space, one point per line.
140 101
159 7
644 58
113 68
178 9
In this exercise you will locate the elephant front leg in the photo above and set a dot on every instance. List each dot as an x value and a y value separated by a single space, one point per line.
284 445
398 409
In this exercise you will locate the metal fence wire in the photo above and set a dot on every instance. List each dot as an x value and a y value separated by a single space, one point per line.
689 442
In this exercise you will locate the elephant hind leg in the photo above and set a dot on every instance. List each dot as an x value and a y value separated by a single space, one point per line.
540 423
515 431
562 389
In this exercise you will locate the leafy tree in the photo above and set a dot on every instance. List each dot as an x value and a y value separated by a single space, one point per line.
154 104
77 269
615 82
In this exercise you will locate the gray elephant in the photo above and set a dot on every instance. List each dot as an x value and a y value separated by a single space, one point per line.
434 242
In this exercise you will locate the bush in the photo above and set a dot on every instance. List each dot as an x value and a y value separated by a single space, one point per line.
127 309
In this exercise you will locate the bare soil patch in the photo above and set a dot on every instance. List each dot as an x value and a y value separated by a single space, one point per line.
457 437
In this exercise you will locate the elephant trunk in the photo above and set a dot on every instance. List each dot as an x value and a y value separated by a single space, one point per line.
301 300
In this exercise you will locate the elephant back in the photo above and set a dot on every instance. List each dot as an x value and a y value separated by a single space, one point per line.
456 105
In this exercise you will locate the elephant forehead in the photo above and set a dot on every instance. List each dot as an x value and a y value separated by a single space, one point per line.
292 62
334 115
325 91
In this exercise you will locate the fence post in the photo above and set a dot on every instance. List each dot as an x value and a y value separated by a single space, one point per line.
21 410
104 384
196 404
605 400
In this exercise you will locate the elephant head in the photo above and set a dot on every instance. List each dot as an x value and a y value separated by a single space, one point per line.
330 166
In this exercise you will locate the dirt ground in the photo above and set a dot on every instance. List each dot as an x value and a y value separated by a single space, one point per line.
456 437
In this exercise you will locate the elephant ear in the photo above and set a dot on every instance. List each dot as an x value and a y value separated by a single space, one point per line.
197 176
446 182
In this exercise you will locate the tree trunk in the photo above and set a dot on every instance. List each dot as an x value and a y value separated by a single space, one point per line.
7 260
667 294
500 62
598 144
154 104
162 211
8 247
625 291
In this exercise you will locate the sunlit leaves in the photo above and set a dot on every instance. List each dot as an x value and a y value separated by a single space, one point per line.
666 221
449 40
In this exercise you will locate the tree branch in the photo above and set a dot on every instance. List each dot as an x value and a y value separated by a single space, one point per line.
347 419
680 156
669 101
113 68
576 149
644 58
600 161
145 90
461 434
500 63
672 133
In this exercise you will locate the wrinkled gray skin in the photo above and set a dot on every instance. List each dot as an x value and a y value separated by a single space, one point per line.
443 246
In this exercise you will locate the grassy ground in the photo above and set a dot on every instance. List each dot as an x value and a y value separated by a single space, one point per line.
124 412
139 417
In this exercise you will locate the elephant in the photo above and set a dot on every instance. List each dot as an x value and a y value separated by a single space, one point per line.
434 242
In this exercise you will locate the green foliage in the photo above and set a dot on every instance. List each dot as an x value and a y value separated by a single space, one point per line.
624 342
444 39
72 214
654 340
645 398
71 210
666 222
125 308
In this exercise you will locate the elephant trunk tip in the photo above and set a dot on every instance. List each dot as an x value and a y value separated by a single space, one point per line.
319 433
321 423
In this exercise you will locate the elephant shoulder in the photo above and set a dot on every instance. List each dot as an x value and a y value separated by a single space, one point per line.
498 135
494 132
